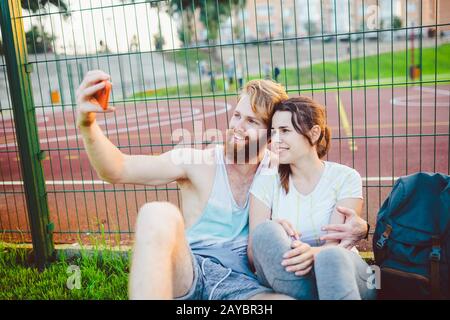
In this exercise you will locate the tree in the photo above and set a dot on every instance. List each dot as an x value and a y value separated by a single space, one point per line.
311 28
397 22
238 26
35 5
212 13
237 32
39 41
186 32
186 36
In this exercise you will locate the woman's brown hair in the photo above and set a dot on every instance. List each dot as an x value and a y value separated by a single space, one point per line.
306 113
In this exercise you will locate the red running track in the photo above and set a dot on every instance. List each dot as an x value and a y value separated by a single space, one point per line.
397 131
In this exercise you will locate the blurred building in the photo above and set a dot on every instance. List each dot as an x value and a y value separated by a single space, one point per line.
271 19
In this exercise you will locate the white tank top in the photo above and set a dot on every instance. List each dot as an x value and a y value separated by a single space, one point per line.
221 232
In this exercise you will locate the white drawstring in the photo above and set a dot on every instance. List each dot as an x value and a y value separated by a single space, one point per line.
203 264
215 287
212 291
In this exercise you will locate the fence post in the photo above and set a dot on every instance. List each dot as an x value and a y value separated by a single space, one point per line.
18 69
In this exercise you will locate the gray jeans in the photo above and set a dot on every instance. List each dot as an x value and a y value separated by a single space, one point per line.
338 273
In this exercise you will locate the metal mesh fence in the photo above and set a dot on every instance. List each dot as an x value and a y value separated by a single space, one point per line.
381 68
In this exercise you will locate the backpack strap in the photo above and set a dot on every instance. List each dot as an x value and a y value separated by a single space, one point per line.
435 257
381 243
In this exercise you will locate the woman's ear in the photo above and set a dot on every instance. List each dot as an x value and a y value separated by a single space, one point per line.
315 133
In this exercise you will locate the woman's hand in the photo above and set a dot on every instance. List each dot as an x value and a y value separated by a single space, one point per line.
300 259
287 226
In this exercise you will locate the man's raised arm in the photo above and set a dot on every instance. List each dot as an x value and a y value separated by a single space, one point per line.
109 162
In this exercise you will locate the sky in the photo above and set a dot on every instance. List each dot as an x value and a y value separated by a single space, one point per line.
96 20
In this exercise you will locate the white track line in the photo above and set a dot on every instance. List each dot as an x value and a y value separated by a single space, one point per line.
415 100
190 117
102 121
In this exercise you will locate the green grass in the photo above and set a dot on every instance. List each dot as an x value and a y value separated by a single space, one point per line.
189 58
386 68
103 276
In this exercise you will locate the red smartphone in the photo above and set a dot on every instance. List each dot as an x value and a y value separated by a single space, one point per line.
102 96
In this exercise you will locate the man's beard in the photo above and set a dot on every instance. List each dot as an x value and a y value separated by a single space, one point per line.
246 154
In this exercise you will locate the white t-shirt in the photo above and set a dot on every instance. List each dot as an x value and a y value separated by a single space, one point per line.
308 213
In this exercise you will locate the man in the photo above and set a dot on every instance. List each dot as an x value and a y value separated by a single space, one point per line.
200 251
230 72
276 73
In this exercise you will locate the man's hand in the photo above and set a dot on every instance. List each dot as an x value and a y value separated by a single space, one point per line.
350 233
300 259
87 106
287 226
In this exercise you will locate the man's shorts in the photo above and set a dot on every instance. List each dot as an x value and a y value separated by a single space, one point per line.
212 281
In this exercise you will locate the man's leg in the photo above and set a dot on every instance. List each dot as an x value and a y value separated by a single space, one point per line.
162 266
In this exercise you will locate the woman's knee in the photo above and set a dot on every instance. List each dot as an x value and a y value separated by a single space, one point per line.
269 243
330 257
266 233
159 220
336 274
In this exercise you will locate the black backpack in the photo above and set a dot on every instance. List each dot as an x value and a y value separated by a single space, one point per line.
411 242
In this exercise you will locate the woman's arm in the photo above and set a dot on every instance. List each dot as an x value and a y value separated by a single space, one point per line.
338 218
354 228
258 213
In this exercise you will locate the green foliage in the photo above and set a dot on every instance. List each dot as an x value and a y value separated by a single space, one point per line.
212 13
397 23
35 5
39 41
311 28
185 36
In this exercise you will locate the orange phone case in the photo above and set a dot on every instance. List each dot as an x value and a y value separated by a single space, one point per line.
102 96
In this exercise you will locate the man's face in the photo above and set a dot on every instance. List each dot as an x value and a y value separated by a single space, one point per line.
246 129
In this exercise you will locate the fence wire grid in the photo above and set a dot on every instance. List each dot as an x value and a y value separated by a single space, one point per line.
381 68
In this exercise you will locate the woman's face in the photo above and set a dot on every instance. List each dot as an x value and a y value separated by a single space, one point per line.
287 143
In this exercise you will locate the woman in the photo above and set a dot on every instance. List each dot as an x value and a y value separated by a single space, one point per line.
289 207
